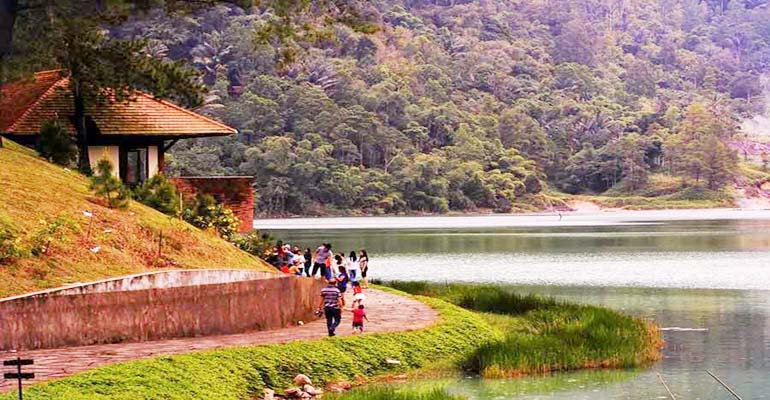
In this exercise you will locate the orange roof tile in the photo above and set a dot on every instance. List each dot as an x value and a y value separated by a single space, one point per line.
26 105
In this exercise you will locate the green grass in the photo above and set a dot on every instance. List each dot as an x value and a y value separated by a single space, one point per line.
242 373
662 191
543 335
389 393
36 195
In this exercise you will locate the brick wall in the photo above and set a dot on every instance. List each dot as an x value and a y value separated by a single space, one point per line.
87 316
235 192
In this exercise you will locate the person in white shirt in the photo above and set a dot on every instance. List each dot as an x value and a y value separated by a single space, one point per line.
354 269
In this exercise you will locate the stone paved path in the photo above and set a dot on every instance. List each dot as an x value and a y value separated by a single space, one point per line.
387 313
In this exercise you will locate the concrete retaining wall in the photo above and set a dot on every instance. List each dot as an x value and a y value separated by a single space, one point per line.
156 306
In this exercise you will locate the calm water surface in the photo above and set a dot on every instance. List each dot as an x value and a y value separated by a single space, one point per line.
702 275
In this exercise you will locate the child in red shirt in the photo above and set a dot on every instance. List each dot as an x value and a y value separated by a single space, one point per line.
359 315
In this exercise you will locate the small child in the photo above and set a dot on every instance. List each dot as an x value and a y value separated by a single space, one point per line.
359 315
358 295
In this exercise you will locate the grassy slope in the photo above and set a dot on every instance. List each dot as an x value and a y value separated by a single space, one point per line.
242 373
34 192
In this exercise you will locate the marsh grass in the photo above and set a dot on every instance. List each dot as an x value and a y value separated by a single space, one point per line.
542 335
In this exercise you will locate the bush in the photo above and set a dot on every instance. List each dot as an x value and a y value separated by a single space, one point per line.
255 243
205 213
9 246
109 187
50 233
159 194
56 144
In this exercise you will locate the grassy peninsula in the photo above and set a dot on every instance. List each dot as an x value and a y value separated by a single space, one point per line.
53 232
541 335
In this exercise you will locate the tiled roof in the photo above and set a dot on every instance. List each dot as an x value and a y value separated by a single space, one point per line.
26 105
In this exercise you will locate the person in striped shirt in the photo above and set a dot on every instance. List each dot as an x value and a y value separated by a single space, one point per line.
331 302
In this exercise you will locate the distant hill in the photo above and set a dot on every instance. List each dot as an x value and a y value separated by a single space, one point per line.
458 106
44 207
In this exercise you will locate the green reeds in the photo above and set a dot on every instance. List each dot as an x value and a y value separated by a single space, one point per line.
542 335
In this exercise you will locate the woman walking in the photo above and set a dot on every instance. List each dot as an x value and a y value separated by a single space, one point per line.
363 263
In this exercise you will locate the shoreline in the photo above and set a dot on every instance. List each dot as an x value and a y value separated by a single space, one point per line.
521 220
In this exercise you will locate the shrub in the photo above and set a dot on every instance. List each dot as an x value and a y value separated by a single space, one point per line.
159 194
9 246
56 144
205 213
50 233
109 187
254 243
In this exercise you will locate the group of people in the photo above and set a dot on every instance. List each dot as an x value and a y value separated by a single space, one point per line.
322 263
339 270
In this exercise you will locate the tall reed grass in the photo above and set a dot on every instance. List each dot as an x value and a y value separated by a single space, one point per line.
543 334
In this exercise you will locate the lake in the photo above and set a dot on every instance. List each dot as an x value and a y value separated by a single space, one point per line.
703 275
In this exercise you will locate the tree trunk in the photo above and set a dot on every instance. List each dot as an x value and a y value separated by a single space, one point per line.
84 162
8 10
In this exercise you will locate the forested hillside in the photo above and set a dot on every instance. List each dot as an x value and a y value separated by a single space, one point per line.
460 105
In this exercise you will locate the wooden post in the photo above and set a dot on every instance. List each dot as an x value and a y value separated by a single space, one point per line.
724 385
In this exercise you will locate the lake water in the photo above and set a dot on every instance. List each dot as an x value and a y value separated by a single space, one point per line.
702 275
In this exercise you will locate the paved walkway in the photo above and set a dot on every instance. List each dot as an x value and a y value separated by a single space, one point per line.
387 313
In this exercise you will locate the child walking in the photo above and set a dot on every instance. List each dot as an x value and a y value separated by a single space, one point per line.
359 315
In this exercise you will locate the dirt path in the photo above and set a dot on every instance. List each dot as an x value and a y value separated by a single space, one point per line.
387 312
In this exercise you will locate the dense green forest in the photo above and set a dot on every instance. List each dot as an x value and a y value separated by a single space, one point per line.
464 105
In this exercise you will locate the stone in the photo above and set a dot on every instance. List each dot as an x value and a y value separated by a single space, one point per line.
392 362
311 390
302 380
293 392
268 394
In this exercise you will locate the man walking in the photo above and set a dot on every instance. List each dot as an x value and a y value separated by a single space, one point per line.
321 257
331 301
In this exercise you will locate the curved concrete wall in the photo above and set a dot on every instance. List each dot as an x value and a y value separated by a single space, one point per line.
156 306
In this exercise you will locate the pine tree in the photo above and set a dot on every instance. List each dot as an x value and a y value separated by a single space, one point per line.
105 184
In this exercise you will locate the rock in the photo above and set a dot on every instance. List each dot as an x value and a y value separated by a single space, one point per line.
302 380
312 391
306 396
293 392
392 362
268 394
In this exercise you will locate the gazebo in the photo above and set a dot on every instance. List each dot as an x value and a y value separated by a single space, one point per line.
133 135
